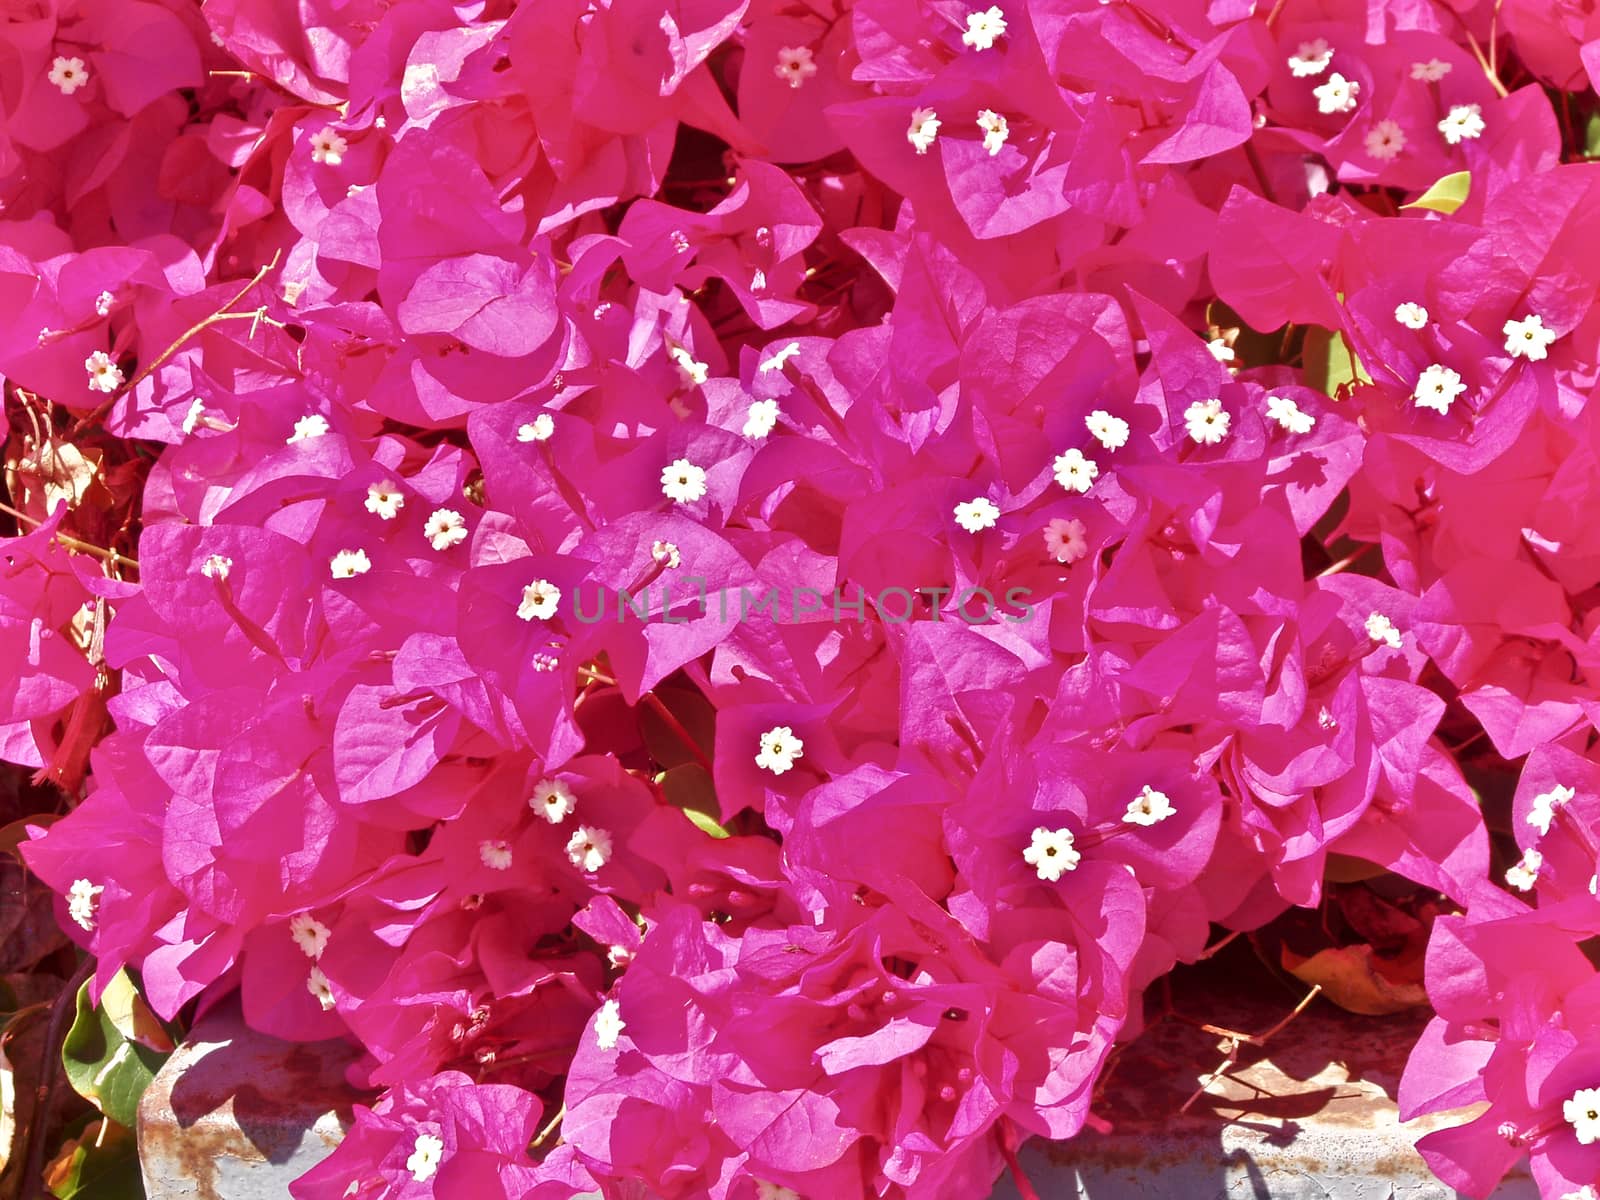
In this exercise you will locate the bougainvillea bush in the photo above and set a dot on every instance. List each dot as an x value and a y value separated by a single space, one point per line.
724 585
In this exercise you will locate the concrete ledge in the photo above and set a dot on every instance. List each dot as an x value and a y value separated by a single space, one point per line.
1310 1116
235 1115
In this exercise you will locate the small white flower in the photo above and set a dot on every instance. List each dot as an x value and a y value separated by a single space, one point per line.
216 566
589 848
1385 140
665 553
608 1025
1528 338
1583 1114
104 374
1431 71
191 419
761 420
553 800
1326 719
1290 415
780 750
328 147
1586 1192
347 564
537 430
1462 123
1066 539
544 662
682 481
924 129
539 600
996 129
426 1154
1437 388
1381 629
444 528
495 854
983 28
317 984
83 903
795 65
1149 807
313 425
692 373
977 514
1220 350
1412 315
775 363
1111 432
103 303
68 74
1525 873
1052 853
1207 421
1338 95
1074 471
773 1191
1311 58
1545 806
385 501
309 934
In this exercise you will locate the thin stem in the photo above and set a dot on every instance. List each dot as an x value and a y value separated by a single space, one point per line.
682 734
1477 53
550 1128
1217 946
1008 1151
1316 990
1232 1039
220 315
48 1093
1348 560
72 543
1222 1069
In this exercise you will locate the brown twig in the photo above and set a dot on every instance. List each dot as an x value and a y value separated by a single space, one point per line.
1232 1040
47 1093
678 731
72 543
549 1128
199 327
1348 560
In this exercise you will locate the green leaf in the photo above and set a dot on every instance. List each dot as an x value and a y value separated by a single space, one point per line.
690 788
705 822
1446 195
125 1008
101 1163
106 1068
1329 362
